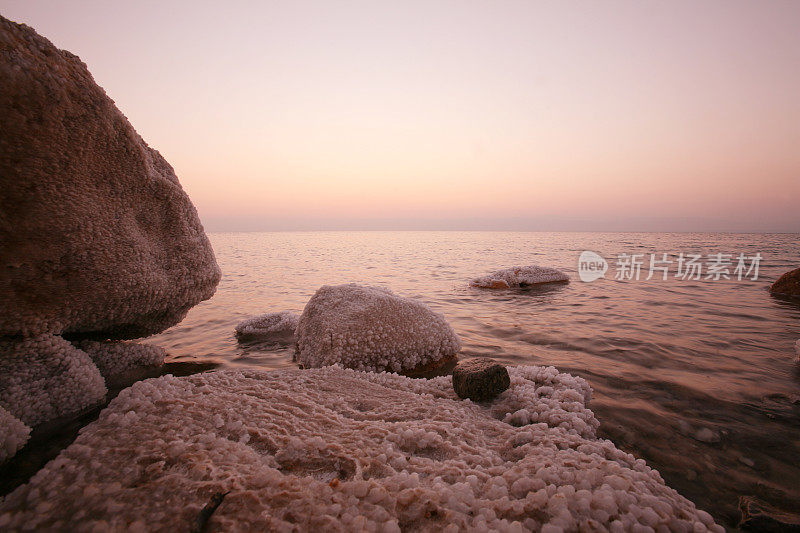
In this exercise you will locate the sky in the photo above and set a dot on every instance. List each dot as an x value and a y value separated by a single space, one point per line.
496 115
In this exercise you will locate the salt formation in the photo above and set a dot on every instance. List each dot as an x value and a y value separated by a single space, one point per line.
114 358
45 377
335 449
519 277
270 326
13 434
96 235
97 238
369 328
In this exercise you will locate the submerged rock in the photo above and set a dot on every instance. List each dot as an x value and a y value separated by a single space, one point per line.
787 285
520 277
46 377
270 326
335 449
97 238
13 434
480 379
369 328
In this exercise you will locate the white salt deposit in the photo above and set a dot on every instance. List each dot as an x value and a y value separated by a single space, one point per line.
45 377
277 326
369 328
519 277
114 358
13 434
335 449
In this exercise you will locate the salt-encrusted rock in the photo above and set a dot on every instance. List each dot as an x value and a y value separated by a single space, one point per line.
332 449
787 285
519 277
480 379
46 377
272 326
113 358
369 328
13 434
96 235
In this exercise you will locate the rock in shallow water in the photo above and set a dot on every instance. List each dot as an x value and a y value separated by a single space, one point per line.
270 326
369 328
480 379
97 237
517 277
335 449
787 285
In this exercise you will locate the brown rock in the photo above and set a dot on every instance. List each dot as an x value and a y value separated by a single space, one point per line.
97 238
760 516
480 379
787 285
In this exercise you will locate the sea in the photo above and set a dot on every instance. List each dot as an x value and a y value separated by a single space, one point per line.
696 373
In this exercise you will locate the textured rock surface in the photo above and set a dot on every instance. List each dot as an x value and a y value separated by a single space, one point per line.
480 379
115 358
13 434
333 449
46 377
519 277
96 234
787 285
368 328
269 326
762 517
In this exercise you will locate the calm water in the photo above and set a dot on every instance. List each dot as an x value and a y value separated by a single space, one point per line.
666 359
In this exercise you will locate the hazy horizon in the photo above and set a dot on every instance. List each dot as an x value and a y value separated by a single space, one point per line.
521 116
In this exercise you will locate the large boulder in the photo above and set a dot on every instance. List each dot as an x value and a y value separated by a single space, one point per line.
787 285
97 238
369 328
332 449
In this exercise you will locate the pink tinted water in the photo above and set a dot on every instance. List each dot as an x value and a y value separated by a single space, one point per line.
666 358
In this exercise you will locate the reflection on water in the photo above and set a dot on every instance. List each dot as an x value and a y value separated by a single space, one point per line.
699 377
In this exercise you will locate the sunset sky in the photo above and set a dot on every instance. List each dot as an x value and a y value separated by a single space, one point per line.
640 116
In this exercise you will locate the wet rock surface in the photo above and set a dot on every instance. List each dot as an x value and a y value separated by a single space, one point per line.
480 379
787 285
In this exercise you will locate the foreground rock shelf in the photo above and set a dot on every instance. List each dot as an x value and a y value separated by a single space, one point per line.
338 449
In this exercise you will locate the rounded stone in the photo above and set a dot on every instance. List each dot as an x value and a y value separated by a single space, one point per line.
787 285
480 379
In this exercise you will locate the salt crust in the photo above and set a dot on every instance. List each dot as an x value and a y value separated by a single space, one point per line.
519 277
13 434
370 328
116 357
281 324
45 377
97 237
335 449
